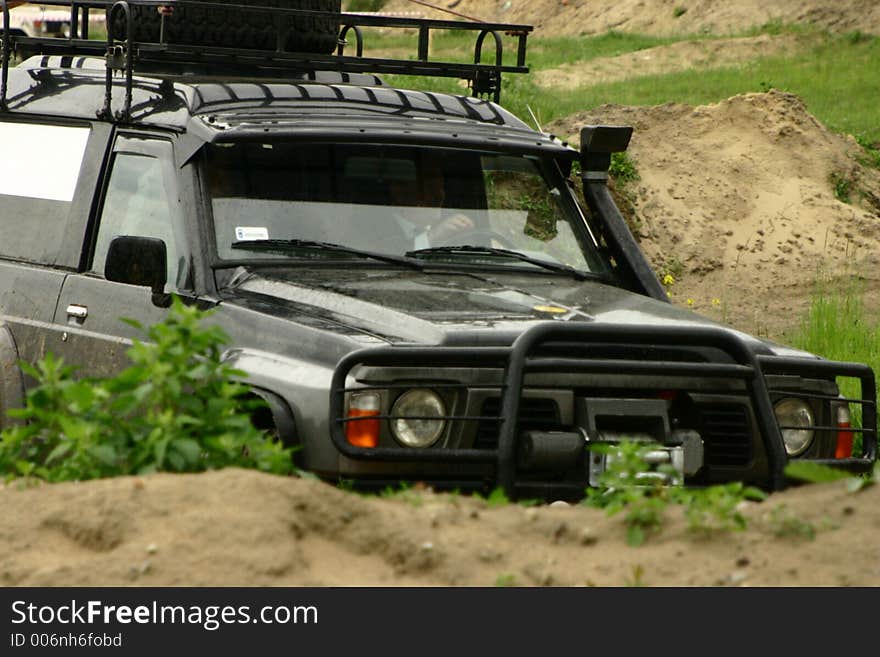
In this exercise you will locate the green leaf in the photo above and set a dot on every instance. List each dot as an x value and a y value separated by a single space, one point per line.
754 494
73 427
132 322
59 452
104 453
635 536
177 461
24 467
855 484
159 449
497 497
188 448
814 473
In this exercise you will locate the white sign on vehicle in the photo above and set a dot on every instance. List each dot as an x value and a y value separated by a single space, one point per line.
41 161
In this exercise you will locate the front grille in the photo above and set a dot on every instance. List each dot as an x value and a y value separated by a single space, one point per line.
534 414
727 434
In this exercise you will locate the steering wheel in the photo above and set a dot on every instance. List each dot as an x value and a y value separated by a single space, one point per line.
477 237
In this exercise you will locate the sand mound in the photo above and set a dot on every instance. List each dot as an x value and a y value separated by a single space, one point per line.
743 198
236 527
661 17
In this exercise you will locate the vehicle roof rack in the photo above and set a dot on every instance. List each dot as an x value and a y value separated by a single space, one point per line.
127 56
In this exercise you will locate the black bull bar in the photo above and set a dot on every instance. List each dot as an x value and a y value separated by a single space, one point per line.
520 358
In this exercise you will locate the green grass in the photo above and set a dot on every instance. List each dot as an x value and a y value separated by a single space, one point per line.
364 5
838 80
837 77
543 53
839 327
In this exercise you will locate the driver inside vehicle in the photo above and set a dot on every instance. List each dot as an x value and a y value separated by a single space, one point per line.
418 200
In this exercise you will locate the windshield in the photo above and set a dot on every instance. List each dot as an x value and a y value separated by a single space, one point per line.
288 201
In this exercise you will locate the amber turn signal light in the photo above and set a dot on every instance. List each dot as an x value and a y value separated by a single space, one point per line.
844 438
362 428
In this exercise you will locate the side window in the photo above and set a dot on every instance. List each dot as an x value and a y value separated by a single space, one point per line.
39 170
141 201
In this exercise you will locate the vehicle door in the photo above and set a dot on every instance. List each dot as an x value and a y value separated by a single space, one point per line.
48 174
141 198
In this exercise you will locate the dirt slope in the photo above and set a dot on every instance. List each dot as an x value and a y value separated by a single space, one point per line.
661 17
237 527
739 197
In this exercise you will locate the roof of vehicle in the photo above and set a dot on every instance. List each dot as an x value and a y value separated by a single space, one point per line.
317 105
219 94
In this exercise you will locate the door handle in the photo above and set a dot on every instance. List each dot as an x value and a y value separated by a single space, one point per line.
76 314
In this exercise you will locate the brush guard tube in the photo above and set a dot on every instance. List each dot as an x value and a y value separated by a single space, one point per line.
520 358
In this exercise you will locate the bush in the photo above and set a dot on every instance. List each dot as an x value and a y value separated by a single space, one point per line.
177 408
709 510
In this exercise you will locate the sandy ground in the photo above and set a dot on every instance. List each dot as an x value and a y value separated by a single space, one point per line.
241 528
737 198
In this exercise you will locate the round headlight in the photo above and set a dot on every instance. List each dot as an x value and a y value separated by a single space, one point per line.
795 413
415 410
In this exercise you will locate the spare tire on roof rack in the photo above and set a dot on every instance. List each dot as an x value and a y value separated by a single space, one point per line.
235 26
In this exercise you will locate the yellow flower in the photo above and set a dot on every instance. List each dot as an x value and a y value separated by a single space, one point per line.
690 302
716 301
668 280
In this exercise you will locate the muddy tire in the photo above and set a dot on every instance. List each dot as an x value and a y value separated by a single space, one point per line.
251 30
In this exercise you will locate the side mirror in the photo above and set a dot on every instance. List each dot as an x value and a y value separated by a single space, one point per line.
137 261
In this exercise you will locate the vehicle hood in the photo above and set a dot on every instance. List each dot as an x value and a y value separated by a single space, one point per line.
404 307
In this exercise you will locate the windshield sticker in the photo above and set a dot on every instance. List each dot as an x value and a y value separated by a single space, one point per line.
251 233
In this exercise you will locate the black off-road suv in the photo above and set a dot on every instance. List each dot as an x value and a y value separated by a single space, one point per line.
409 278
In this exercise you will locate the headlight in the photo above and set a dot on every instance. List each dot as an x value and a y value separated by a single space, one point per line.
421 405
792 412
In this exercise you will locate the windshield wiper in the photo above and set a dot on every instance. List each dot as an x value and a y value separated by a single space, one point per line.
507 253
329 247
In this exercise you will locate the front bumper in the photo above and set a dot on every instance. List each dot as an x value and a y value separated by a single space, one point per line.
556 352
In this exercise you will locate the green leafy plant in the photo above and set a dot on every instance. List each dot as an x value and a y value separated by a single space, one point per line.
678 12
717 508
871 148
178 407
786 524
842 186
505 580
403 492
856 37
624 486
497 498
623 168
816 473
621 488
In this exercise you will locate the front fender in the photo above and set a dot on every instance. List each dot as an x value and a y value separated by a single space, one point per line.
298 392
11 379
